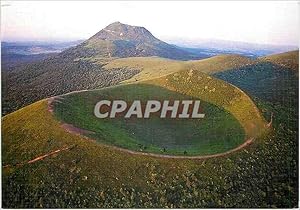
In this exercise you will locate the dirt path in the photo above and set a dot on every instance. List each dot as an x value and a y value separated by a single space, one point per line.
41 157
74 130
58 99
68 127
78 131
271 121
199 157
50 105
48 154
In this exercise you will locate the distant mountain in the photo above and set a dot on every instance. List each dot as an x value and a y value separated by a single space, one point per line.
122 40
34 48
15 54
214 47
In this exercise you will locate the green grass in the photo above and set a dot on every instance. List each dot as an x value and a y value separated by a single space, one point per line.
218 132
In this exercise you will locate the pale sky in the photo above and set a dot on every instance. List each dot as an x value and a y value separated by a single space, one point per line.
257 22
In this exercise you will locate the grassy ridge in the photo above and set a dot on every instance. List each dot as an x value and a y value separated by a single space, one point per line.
218 92
220 63
267 81
148 67
155 67
289 60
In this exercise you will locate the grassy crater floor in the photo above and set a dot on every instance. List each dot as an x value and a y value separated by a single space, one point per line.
218 132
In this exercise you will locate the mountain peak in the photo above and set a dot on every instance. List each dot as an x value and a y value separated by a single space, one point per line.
114 24
120 31
122 40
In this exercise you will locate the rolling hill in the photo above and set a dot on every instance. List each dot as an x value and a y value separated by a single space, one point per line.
274 78
289 60
104 176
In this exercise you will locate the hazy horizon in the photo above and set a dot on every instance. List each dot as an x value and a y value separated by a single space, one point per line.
274 23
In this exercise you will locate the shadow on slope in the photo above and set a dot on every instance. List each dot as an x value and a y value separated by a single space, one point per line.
266 81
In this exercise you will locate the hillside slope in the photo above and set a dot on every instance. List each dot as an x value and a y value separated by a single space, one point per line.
221 63
289 60
273 79
54 76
